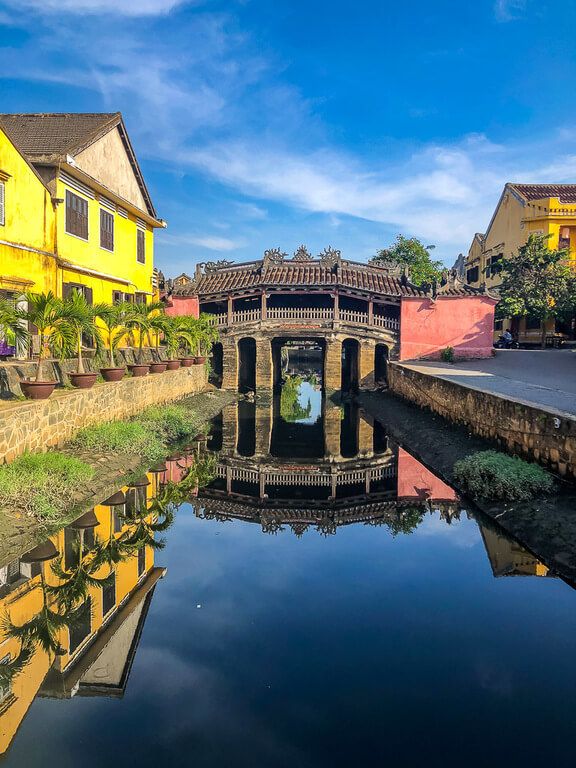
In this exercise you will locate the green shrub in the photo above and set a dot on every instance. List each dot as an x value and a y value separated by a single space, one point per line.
497 476
447 354
122 437
42 484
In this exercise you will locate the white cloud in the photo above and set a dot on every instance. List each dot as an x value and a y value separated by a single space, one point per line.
116 7
210 242
509 10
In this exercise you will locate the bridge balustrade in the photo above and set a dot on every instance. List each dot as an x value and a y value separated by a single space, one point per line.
305 314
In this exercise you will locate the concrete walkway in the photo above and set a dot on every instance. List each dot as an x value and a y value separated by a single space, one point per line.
545 378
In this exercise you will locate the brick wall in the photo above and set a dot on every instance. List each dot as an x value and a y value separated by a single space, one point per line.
38 425
524 430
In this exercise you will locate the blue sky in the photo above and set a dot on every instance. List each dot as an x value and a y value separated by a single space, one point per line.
264 123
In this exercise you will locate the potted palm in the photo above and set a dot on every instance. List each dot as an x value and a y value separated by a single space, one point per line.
138 322
172 340
158 322
81 317
46 313
206 333
13 330
187 332
113 320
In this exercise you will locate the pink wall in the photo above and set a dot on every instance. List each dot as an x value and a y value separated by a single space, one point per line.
465 323
418 483
185 305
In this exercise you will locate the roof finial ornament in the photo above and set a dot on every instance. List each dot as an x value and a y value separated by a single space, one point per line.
330 257
302 254
274 256
214 266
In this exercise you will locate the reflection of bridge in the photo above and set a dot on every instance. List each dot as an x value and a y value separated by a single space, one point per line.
351 309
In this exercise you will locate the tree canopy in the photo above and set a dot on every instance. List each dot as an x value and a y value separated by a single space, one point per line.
537 282
410 252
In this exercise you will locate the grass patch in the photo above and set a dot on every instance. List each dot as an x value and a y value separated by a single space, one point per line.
43 484
498 477
147 435
121 437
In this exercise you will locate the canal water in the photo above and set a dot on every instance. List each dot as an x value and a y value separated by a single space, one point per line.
321 599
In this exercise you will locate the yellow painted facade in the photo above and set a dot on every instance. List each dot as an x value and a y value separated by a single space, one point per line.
38 249
518 214
25 600
27 258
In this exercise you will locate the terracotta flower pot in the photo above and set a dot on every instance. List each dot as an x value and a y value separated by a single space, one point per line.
172 365
37 390
186 362
83 380
157 367
112 374
138 370
199 360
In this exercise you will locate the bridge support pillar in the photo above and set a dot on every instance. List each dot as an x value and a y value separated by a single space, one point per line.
366 364
365 438
264 367
229 364
333 365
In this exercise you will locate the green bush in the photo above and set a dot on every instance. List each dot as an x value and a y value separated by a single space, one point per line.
447 354
42 484
122 437
497 476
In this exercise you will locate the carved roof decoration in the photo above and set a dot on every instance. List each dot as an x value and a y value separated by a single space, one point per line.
327 271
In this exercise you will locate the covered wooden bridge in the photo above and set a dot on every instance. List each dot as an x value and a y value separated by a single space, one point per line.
352 312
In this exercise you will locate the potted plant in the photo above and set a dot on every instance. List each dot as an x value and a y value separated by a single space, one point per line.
45 312
172 340
112 317
158 322
206 333
81 317
138 322
13 330
186 333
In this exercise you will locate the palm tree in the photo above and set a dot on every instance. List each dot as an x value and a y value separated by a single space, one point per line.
113 318
12 328
177 333
140 318
45 311
81 317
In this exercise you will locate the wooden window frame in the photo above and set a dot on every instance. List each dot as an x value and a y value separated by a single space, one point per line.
141 246
69 209
106 233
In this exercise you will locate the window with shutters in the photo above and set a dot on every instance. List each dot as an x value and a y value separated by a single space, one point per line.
140 298
2 203
106 230
109 595
117 297
76 215
140 246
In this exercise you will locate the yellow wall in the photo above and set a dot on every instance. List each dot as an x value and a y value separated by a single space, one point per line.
29 222
120 263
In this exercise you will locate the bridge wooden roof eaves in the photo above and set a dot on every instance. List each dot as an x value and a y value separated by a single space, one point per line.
299 275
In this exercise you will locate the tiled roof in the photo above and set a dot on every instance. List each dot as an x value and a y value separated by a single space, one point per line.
364 278
566 193
56 134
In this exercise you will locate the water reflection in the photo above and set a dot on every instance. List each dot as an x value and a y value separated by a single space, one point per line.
73 608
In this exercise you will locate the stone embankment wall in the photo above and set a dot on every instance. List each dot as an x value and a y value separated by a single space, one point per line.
518 428
39 425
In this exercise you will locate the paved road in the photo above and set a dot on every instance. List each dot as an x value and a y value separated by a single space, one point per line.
546 378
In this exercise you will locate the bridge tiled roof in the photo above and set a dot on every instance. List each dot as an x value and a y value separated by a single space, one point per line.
293 274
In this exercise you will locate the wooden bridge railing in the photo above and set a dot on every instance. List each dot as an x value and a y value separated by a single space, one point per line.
305 314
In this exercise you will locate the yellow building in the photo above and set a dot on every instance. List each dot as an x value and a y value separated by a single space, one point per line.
524 209
74 195
96 652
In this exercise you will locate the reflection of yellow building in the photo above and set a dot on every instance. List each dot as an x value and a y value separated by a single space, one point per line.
508 558
523 209
97 651
75 212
